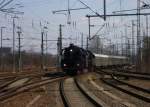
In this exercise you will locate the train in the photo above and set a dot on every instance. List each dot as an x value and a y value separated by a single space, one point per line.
76 60
110 61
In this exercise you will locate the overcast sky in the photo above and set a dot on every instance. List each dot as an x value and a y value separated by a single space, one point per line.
40 11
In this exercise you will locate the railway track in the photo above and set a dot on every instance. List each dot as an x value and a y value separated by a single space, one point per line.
27 71
63 96
13 83
5 81
7 78
26 74
124 74
134 86
73 95
86 94
129 71
19 76
10 92
134 91
140 93
107 95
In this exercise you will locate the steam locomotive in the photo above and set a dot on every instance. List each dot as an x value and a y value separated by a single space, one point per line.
76 60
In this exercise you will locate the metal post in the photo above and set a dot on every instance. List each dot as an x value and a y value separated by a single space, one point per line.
14 62
60 26
126 44
104 9
133 44
113 49
14 45
126 40
1 50
42 51
58 69
2 67
117 49
128 47
101 45
122 43
138 68
89 22
82 40
97 45
87 43
19 50
147 34
110 47
46 51
59 44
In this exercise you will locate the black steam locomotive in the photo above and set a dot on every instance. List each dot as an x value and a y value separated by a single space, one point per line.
76 60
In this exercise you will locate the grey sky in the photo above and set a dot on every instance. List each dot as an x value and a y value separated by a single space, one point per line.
36 11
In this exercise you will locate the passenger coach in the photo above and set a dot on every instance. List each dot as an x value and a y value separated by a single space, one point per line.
108 60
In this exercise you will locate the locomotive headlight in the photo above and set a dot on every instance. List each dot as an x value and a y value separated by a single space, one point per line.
70 50
65 65
78 64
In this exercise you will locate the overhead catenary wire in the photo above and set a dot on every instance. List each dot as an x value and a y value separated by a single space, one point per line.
52 22
98 30
9 11
6 4
2 2
90 8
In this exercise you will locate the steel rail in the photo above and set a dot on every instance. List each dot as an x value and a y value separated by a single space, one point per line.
133 86
8 83
5 86
86 95
143 98
137 76
63 96
130 72
17 90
